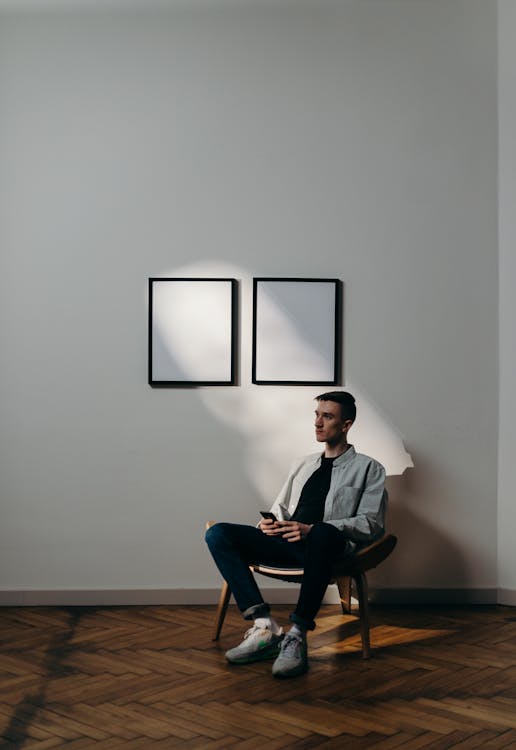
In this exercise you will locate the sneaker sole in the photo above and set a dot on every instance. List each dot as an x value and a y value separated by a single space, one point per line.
266 653
293 673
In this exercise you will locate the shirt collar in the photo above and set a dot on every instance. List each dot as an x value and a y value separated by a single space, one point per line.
341 460
348 454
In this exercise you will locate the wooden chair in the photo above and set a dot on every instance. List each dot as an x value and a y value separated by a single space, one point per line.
346 573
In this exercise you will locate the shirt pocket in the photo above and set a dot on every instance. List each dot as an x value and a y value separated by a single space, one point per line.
346 501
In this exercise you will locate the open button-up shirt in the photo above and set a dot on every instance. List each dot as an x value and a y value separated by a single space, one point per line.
356 500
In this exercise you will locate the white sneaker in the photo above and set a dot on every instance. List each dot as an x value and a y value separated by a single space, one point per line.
293 657
259 643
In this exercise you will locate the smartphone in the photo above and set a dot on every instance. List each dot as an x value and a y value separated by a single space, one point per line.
268 514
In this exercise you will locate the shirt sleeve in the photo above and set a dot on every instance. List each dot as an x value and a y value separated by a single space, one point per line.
280 505
368 523
299 468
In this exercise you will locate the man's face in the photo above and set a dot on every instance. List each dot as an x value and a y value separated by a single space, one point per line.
329 425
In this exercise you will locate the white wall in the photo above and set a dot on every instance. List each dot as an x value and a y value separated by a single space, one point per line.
507 237
336 139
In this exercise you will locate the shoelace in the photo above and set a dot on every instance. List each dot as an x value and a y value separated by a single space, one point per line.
290 646
254 629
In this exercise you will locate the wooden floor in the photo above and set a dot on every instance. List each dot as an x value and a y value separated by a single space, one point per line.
149 677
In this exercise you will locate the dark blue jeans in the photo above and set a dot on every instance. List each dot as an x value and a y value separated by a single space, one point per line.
234 547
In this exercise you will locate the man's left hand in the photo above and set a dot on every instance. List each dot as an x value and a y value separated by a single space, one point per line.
295 531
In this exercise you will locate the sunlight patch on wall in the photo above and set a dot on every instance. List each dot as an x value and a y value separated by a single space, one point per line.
276 422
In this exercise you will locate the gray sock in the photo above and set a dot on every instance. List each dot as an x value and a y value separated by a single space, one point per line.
298 631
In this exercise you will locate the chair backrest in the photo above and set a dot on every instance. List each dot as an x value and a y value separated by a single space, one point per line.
370 556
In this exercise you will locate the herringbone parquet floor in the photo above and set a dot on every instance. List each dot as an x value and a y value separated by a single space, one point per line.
127 678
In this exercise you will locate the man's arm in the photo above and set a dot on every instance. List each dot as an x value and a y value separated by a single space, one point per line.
280 505
292 531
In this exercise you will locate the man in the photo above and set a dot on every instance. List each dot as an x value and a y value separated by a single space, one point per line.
331 504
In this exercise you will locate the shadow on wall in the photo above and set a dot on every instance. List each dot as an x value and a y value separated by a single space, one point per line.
427 560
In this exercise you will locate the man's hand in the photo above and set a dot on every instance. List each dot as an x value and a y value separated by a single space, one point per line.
270 527
294 531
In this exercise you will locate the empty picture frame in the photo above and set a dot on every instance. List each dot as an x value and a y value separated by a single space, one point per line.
192 331
296 331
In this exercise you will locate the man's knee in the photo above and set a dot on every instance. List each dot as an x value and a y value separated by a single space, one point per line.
224 533
323 535
215 534
323 530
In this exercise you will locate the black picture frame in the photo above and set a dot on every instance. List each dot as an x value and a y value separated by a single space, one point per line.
192 331
296 331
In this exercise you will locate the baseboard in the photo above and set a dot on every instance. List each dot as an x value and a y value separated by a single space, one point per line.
424 596
106 597
278 595
131 597
507 596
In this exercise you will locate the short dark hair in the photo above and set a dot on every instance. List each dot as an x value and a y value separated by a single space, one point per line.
348 409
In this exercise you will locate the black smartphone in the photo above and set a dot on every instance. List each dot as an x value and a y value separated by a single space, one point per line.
268 514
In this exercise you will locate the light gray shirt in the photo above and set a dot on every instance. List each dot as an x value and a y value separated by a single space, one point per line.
356 500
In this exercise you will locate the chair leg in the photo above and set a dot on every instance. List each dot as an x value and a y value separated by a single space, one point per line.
344 586
363 605
225 596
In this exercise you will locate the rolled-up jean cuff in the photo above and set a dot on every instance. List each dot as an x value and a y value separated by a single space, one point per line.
257 610
305 624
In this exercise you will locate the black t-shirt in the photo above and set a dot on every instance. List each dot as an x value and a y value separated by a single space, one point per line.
310 507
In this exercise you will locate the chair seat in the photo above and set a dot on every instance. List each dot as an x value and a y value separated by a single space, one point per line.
366 559
291 575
